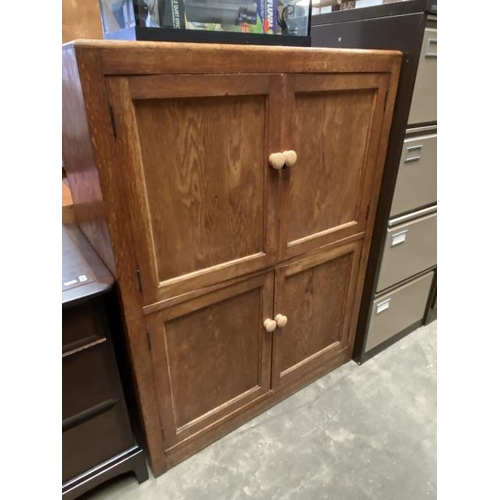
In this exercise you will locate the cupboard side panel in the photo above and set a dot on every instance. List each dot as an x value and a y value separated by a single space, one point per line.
87 73
80 161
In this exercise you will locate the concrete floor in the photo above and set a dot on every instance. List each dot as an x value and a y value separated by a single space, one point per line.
360 432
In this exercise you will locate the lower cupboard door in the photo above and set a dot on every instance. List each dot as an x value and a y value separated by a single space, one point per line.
211 356
316 295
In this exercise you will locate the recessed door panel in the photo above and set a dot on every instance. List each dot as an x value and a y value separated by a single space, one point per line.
334 127
199 148
212 356
316 294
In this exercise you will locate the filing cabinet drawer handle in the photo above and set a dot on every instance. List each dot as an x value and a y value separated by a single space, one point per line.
383 306
432 44
398 238
413 153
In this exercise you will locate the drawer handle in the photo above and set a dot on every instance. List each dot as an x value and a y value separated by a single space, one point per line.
432 44
398 238
87 414
270 325
281 320
413 153
277 160
383 306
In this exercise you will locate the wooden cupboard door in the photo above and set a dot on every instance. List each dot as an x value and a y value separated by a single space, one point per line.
202 197
211 357
333 123
317 295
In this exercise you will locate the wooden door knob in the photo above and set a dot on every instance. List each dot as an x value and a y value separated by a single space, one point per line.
281 320
277 160
270 325
290 158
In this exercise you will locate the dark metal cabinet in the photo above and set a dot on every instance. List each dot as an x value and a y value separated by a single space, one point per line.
97 439
409 181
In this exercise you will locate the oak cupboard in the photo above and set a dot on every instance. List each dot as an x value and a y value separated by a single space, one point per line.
231 191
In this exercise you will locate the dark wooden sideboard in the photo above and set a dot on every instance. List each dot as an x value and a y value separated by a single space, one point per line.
231 190
97 439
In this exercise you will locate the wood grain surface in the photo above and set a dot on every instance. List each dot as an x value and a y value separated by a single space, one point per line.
82 172
206 199
202 160
313 301
178 164
81 20
93 165
171 57
207 345
213 355
315 293
325 186
326 194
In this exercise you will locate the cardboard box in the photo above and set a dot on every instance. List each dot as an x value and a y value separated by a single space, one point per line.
243 16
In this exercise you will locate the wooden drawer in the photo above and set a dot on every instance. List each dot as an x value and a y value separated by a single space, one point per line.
83 324
88 381
94 441
416 185
397 310
410 248
424 103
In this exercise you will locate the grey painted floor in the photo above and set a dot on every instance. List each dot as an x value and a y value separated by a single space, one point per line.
360 432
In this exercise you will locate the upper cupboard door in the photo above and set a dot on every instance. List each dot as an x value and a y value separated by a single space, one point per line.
202 196
333 124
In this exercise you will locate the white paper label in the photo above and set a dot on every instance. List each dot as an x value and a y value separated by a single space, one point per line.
383 306
398 238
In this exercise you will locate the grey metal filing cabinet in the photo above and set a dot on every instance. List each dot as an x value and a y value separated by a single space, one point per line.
400 291
409 258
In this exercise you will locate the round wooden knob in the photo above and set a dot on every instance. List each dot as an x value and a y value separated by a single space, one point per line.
290 158
281 320
277 160
270 325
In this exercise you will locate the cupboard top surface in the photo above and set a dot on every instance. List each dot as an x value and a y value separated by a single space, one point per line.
123 57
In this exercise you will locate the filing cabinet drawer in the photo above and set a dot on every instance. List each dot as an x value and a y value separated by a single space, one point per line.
409 248
397 310
87 380
416 185
424 102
